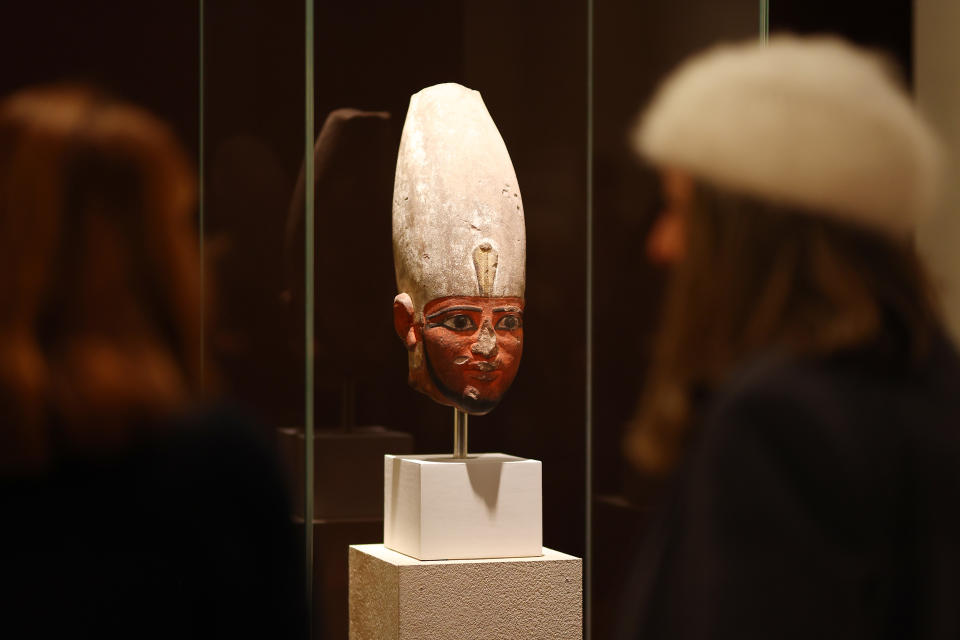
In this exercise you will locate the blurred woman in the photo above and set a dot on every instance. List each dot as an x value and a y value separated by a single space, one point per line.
129 511
804 404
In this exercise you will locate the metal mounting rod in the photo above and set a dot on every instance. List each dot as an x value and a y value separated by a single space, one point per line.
459 433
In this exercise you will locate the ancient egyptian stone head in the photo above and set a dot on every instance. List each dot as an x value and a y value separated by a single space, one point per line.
459 249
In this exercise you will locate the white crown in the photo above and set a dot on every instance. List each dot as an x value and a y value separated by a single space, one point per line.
457 212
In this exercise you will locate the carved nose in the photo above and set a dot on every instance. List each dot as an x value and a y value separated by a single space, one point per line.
486 344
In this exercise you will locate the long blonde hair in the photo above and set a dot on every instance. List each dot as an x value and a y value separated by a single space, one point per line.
759 276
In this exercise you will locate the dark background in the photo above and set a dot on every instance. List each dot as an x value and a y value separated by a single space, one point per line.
144 51
529 60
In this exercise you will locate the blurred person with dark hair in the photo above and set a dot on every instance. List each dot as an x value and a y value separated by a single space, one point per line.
128 509
803 410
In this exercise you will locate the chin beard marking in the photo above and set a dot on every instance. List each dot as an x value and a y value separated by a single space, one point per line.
468 400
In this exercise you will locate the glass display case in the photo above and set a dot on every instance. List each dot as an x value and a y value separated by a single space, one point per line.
302 110
304 285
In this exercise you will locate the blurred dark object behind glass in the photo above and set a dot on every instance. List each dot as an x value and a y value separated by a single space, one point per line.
355 154
129 511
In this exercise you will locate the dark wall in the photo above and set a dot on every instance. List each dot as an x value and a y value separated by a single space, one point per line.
884 25
145 51
254 136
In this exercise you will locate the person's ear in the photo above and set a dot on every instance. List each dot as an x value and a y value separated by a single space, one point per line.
403 321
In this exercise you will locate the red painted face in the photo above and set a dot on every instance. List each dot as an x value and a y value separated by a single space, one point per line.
473 347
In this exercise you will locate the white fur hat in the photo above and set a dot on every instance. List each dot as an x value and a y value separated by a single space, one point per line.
810 122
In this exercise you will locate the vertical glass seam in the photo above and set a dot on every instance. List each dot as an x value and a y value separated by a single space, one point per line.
309 249
588 398
764 22
200 205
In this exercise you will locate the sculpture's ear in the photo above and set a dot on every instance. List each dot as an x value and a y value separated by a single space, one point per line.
403 320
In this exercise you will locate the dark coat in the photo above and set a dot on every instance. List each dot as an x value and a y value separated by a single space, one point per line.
185 534
819 499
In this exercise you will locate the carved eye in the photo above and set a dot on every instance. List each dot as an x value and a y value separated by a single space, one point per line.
459 322
509 323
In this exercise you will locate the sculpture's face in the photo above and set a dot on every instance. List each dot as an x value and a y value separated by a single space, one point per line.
473 346
465 350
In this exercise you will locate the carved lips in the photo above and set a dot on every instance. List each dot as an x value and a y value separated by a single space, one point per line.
473 346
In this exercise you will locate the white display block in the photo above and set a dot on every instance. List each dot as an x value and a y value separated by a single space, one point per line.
436 507
395 597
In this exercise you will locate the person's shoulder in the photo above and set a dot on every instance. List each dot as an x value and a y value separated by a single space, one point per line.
214 453
797 409
855 382
786 384
853 403
223 428
800 431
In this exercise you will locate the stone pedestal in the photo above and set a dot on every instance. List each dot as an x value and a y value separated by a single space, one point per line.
396 597
441 508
